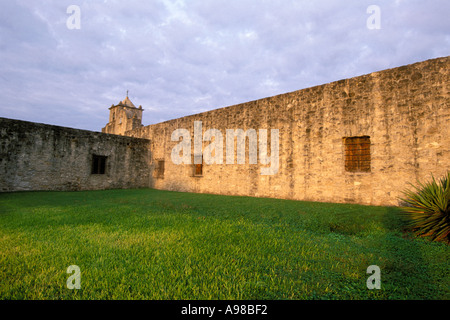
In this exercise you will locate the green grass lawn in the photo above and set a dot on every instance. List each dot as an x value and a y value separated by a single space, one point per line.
151 244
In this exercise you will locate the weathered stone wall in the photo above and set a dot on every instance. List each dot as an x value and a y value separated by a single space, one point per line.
44 157
405 112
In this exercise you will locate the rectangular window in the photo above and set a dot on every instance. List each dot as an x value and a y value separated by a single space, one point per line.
160 171
357 154
98 164
198 167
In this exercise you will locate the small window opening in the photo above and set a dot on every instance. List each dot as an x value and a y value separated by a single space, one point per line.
357 154
160 169
98 164
198 167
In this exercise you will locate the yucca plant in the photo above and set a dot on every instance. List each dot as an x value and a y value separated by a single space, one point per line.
428 208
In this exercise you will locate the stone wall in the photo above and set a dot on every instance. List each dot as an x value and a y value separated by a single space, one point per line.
404 111
44 157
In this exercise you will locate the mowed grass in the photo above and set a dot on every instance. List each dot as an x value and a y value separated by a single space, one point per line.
151 244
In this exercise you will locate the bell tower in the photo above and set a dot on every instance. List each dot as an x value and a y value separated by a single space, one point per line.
123 117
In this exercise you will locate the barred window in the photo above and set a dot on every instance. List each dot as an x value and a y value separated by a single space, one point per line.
357 154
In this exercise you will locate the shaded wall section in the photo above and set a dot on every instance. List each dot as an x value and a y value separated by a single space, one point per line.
44 157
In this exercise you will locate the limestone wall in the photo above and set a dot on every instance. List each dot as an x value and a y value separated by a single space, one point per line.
405 112
43 157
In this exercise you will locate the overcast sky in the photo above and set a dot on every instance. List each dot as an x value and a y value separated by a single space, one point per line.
182 57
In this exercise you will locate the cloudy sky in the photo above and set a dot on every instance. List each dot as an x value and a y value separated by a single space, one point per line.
182 57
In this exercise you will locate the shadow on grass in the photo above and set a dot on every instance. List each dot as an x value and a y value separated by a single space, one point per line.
405 273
